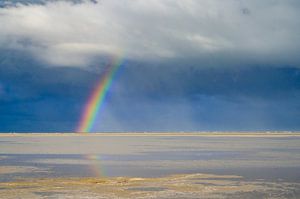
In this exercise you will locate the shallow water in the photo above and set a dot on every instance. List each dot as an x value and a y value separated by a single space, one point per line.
55 155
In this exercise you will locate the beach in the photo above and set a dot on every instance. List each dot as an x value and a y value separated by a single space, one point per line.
150 165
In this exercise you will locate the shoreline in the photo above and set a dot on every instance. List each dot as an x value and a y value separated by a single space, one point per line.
150 165
162 134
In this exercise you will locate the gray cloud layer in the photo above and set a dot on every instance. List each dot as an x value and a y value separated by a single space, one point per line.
69 34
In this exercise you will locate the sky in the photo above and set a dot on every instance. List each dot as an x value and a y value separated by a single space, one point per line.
193 65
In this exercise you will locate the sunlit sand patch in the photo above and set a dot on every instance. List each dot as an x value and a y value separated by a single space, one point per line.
20 169
175 186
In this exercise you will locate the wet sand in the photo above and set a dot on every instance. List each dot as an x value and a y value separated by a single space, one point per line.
176 186
150 165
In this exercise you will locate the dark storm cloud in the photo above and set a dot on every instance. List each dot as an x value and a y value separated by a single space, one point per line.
34 97
194 80
148 97
24 77
189 98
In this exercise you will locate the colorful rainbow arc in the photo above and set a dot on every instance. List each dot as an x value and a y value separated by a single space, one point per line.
95 166
97 98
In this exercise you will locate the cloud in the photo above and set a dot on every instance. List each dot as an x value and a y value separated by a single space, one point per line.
148 97
129 114
177 74
65 33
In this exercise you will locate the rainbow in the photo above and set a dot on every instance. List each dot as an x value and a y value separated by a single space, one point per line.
97 98
95 166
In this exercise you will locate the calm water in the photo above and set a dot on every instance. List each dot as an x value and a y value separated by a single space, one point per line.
269 158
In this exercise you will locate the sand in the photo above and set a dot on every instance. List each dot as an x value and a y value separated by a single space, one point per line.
175 186
150 165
